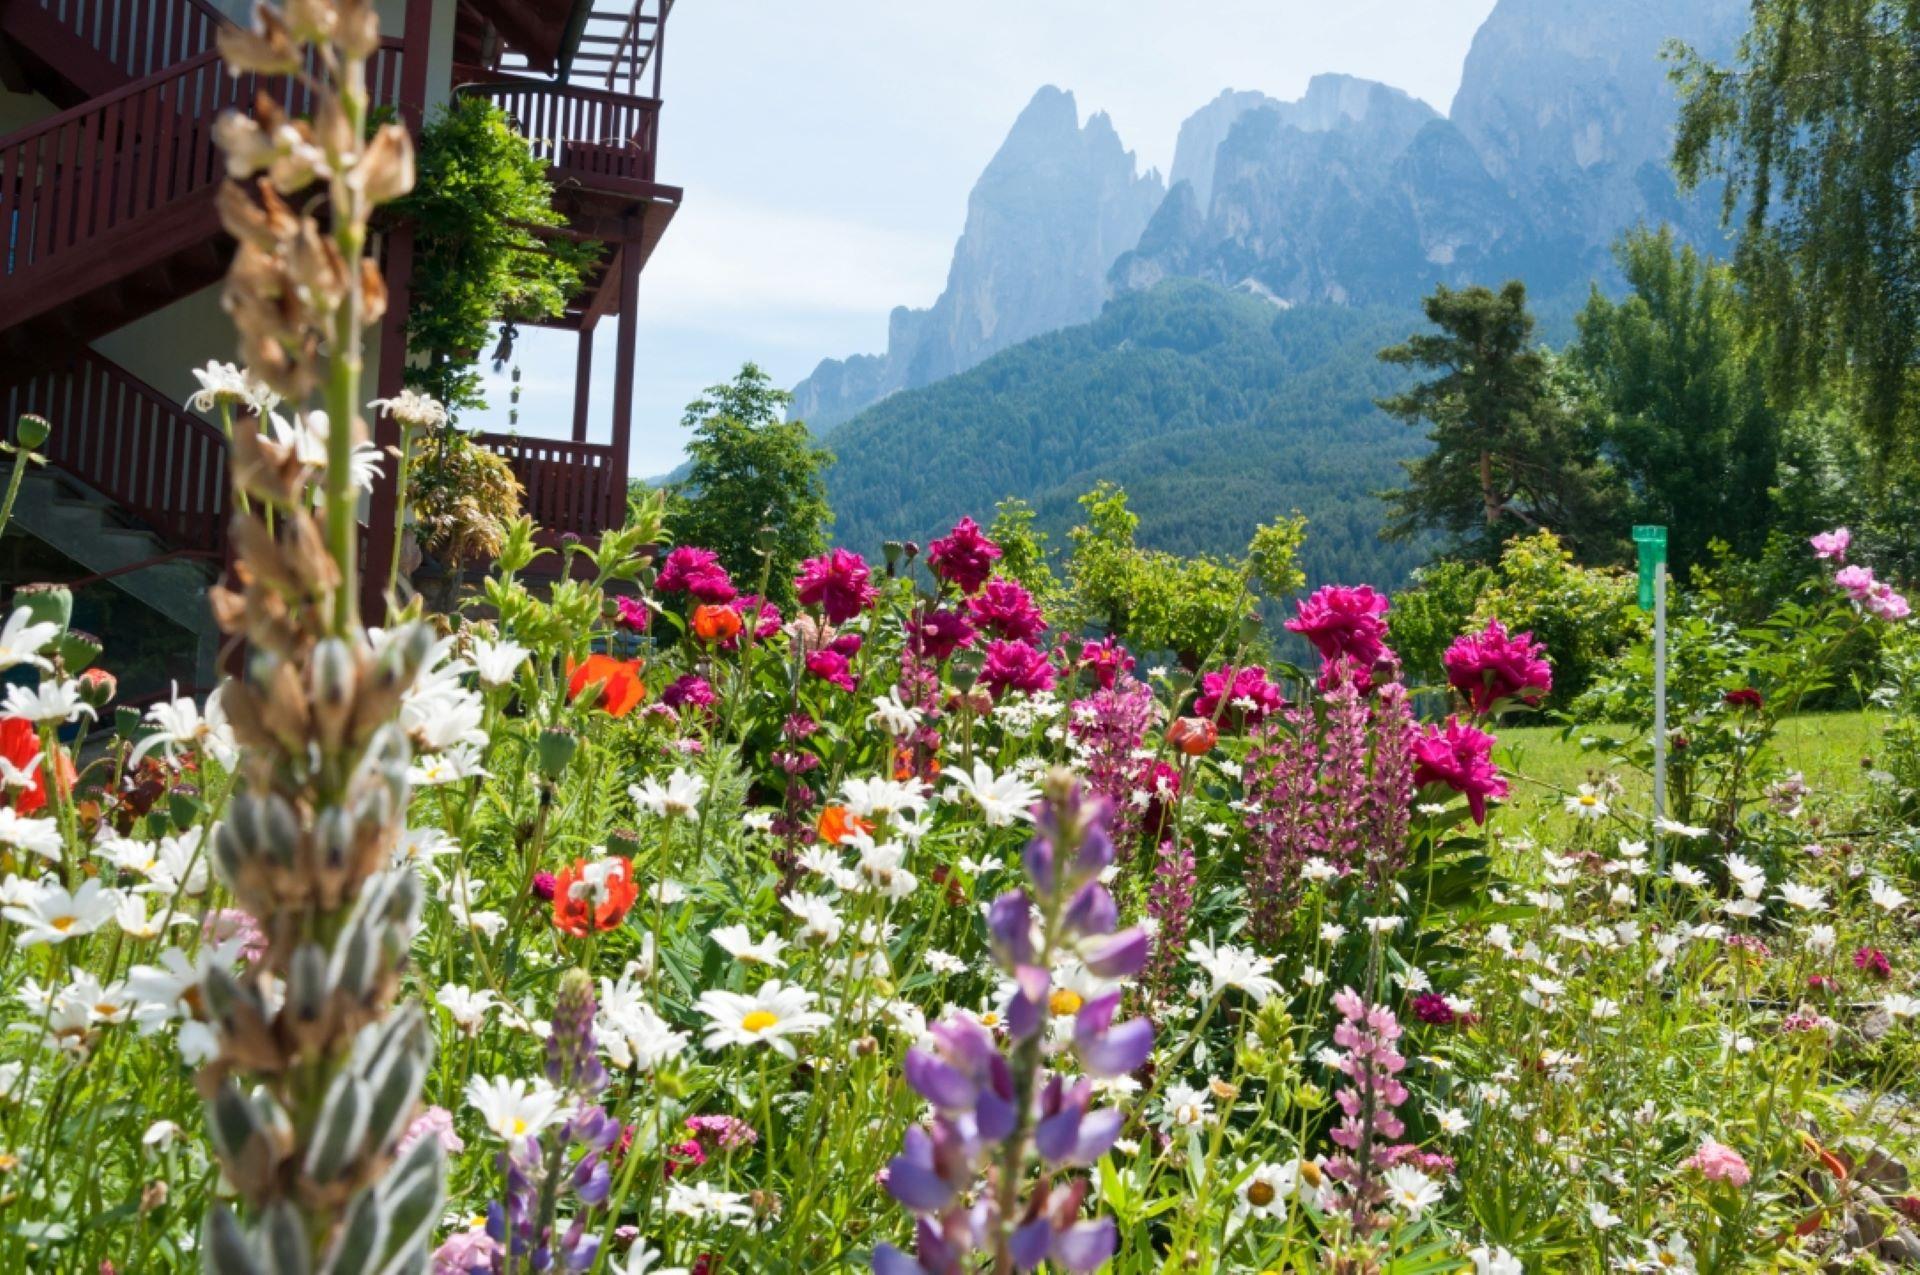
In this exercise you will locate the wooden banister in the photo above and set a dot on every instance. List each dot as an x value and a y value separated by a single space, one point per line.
569 485
572 127
126 155
132 444
139 37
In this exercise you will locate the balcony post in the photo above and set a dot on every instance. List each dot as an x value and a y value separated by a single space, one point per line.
623 369
383 513
582 382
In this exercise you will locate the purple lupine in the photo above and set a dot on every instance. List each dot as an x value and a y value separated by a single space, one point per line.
1005 1111
1369 1130
568 1161
1389 801
1170 904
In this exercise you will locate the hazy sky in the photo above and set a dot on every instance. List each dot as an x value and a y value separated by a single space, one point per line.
827 150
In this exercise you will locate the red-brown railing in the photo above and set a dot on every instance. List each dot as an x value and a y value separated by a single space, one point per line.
566 124
114 160
139 37
570 486
132 444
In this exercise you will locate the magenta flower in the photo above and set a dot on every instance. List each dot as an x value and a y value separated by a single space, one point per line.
1015 666
755 612
1107 658
831 666
1832 544
1858 581
632 614
1718 1162
1875 597
1003 607
937 633
1460 757
1250 700
964 557
690 690
697 571
1434 1009
839 583
1490 666
1344 622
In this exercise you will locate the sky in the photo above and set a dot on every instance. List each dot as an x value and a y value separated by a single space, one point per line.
826 152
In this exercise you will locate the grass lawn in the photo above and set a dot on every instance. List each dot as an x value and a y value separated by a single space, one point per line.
1827 747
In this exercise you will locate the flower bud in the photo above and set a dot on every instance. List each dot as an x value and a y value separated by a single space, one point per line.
556 750
32 431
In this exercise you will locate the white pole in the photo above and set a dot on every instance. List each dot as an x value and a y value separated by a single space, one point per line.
1659 693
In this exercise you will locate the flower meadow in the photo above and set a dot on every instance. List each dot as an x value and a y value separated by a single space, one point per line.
900 931
642 915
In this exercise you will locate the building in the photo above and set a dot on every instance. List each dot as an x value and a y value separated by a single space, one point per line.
114 254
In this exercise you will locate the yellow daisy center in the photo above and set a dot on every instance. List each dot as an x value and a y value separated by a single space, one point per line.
758 1021
1064 1001
63 923
1260 1194
1588 799
519 1126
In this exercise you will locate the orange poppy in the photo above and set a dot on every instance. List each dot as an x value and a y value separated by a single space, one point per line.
619 681
1193 735
715 623
593 894
20 745
837 823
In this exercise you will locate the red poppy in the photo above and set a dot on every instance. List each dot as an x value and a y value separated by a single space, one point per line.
1745 697
593 894
715 623
20 745
619 681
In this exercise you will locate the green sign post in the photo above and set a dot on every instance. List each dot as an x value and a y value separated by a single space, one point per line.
1652 544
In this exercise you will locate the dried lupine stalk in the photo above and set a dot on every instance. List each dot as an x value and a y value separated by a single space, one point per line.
317 1075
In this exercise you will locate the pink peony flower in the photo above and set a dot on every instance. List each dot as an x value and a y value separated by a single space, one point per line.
1344 622
1250 700
755 612
839 583
1003 607
964 557
1490 666
697 571
1015 666
1832 544
632 614
938 633
1858 581
1717 1162
690 690
1460 757
831 666
1886 604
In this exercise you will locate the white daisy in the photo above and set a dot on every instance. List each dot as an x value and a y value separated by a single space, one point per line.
768 1017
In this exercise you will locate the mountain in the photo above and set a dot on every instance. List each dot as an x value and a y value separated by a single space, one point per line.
1056 205
1557 142
1216 411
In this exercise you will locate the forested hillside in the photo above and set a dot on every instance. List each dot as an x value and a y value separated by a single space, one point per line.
1215 410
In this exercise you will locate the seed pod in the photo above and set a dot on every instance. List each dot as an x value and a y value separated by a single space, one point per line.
340 1131
285 1240
362 1238
226 1248
396 1091
331 685
241 1138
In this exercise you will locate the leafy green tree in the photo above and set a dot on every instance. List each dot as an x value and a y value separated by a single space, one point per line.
1158 601
480 201
1023 548
1816 133
753 482
1680 384
1512 452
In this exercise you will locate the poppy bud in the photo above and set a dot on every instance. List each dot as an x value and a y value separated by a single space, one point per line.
32 431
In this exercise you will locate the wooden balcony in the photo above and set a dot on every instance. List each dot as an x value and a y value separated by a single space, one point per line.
572 488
